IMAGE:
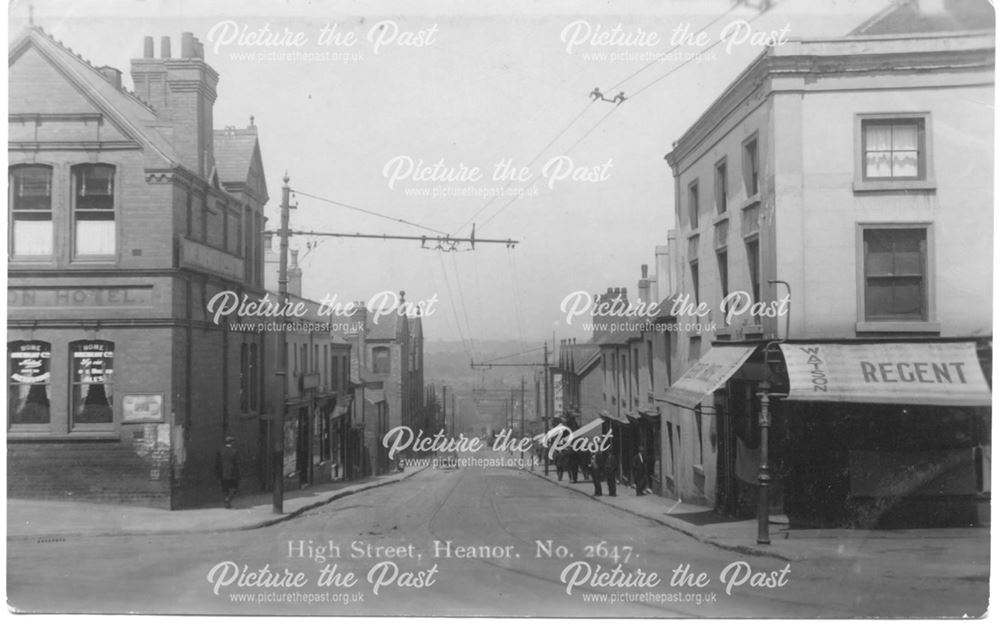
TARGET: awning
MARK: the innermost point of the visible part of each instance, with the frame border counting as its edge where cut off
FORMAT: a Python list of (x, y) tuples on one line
[(939, 374), (590, 430), (555, 432), (706, 375)]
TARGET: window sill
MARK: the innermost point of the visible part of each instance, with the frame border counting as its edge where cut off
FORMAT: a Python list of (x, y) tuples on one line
[(694, 233), (698, 470), (21, 436), (869, 186), (721, 217), (915, 327), (750, 201)]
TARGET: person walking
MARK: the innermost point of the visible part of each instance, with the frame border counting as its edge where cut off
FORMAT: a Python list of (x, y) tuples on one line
[(596, 471), (227, 470), (639, 473), (560, 463), (611, 472)]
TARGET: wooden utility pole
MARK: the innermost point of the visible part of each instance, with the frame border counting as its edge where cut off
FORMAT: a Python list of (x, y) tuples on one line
[(277, 428)]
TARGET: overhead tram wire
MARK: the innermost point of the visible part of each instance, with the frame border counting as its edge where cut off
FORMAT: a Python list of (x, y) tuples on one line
[(368, 212), (461, 301), (660, 57), (632, 96), (454, 311), (566, 152), (684, 63), (530, 163)]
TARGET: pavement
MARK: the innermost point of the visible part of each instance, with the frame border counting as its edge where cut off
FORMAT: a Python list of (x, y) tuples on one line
[(792, 544), (30, 518)]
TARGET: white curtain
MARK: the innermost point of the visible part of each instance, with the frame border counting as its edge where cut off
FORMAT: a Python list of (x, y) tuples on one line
[(95, 237), (32, 237)]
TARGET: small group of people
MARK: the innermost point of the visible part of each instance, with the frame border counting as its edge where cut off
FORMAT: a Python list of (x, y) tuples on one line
[(227, 470), (604, 465)]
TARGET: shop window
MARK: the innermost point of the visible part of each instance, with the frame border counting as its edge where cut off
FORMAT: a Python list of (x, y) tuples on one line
[(91, 371), (380, 360), (28, 378), (30, 189), (244, 377), (94, 210), (895, 278)]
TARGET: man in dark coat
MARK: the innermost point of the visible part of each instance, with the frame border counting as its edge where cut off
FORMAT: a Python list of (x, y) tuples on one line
[(611, 472), (227, 470), (596, 471), (639, 473)]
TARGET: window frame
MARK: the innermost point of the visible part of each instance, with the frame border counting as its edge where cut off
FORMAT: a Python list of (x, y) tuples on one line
[(45, 354), (928, 324), (751, 167), (925, 147), (11, 247), (693, 204), (74, 209), (381, 349), (72, 384), (721, 185)]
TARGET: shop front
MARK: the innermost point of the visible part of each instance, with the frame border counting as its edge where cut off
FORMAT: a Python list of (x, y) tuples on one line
[(888, 434)]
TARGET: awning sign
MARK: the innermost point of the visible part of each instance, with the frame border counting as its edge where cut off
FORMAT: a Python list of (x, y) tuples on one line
[(940, 374), (708, 374)]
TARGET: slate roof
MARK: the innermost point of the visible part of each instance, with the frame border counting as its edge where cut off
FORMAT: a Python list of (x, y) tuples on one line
[(127, 109), (234, 152), (908, 18)]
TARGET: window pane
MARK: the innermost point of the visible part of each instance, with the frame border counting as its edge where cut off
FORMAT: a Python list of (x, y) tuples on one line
[(878, 164), (904, 137), (94, 186), (907, 298), (878, 137), (32, 237), (95, 237), (905, 165), (32, 188)]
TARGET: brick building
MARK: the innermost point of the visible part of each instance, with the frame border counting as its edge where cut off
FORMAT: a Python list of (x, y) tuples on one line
[(127, 214)]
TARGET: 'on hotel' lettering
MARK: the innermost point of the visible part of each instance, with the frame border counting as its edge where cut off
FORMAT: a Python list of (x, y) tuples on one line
[(74, 297), (914, 372)]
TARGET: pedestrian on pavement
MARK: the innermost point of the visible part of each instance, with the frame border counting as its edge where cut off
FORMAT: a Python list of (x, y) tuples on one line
[(572, 465), (560, 463), (596, 469), (227, 470), (611, 472), (639, 473)]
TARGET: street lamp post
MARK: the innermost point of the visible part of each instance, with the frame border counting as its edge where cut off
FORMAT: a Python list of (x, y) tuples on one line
[(764, 474)]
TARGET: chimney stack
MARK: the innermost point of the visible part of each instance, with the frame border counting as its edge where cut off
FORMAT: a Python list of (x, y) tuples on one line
[(182, 91)]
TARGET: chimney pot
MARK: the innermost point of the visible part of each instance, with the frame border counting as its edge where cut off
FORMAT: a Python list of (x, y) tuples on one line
[(199, 49), (164, 48), (187, 45), (147, 47), (645, 271)]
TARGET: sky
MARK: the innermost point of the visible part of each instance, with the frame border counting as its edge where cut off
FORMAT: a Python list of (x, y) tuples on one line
[(412, 110)]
